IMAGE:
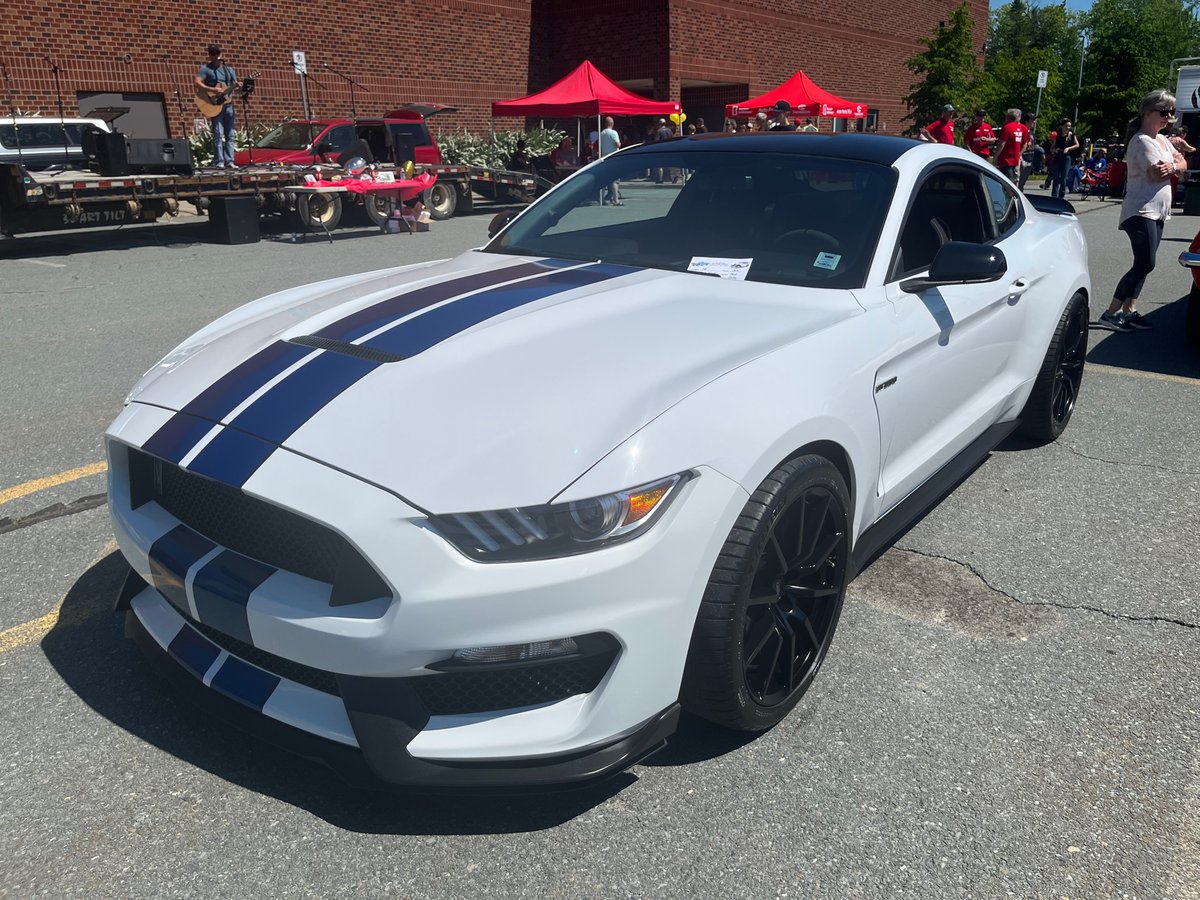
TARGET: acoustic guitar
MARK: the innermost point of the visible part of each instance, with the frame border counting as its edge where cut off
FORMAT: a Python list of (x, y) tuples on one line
[(212, 100)]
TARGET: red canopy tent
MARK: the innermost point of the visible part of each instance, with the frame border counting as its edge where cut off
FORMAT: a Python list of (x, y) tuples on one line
[(806, 99), (585, 92)]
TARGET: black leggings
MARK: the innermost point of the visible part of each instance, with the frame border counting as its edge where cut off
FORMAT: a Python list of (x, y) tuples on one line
[(1144, 237)]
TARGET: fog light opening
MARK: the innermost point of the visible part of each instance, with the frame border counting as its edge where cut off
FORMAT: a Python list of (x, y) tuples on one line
[(517, 652)]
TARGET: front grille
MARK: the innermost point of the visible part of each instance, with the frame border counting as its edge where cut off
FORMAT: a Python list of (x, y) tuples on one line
[(461, 692), (317, 679), (255, 528)]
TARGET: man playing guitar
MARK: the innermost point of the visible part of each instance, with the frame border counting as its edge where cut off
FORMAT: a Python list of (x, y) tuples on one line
[(215, 83)]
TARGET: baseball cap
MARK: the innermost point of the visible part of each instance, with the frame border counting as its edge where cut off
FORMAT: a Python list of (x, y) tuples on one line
[(782, 106), (980, 112), (949, 107)]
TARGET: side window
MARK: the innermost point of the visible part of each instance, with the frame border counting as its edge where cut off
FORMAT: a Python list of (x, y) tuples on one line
[(1005, 206), (947, 206), (341, 137)]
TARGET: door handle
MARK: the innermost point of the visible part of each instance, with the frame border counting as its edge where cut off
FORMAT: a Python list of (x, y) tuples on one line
[(1018, 287)]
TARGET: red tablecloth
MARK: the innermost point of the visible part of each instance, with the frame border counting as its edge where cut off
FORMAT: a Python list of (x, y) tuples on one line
[(403, 189)]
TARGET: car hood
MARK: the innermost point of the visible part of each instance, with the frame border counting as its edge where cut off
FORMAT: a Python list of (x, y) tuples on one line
[(483, 382)]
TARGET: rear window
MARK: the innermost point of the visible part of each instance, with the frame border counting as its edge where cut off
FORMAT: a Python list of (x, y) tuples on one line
[(42, 135), (416, 130)]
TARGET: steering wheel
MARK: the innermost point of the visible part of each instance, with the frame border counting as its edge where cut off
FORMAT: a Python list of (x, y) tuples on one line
[(804, 237)]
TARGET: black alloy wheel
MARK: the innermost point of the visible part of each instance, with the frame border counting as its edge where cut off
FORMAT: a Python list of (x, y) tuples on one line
[(773, 600), (1056, 389)]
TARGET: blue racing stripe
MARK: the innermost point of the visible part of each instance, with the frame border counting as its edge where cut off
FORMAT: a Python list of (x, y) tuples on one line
[(422, 332), (176, 437), (222, 589), (232, 388), (170, 558), (245, 683), (182, 431), (194, 651), (231, 457), (277, 414), (379, 314)]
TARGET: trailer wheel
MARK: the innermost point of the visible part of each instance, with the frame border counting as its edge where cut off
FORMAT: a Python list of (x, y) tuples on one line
[(377, 209), (319, 210), (442, 200)]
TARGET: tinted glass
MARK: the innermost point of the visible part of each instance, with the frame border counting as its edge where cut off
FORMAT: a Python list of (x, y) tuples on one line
[(1006, 208), (416, 130), (291, 136), (794, 219), (39, 136)]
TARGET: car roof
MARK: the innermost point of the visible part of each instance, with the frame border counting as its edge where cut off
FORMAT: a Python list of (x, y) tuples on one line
[(876, 148)]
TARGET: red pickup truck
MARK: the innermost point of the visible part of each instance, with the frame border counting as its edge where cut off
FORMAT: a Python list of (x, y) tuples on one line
[(396, 137)]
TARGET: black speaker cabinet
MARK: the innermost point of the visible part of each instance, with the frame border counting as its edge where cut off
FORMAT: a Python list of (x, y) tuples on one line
[(234, 220), (159, 156), (106, 153)]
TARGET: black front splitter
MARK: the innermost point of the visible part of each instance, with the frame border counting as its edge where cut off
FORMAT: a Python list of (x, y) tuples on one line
[(386, 764)]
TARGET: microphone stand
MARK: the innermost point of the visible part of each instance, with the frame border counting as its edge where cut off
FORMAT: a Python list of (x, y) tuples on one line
[(62, 119), (12, 111), (246, 92), (353, 85), (304, 77)]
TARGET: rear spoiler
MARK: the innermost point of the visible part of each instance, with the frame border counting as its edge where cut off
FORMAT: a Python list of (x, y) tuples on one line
[(1055, 206)]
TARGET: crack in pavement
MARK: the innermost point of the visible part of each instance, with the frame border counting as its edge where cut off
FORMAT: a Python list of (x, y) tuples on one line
[(1070, 448), (54, 511), (1051, 603)]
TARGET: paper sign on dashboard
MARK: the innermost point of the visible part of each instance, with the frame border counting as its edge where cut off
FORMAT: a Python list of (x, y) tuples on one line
[(722, 267)]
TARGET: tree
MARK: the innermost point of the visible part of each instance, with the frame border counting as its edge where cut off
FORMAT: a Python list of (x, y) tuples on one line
[(1129, 54), (1024, 39), (948, 69)]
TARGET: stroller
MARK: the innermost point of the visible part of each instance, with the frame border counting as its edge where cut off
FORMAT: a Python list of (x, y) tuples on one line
[(1093, 184)]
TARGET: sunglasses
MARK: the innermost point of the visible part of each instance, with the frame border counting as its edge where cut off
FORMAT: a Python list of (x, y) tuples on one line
[(1166, 113)]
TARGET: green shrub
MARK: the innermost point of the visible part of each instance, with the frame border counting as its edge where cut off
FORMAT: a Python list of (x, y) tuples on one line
[(202, 141), (463, 149)]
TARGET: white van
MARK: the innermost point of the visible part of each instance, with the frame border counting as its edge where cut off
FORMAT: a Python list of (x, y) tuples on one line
[(40, 142)]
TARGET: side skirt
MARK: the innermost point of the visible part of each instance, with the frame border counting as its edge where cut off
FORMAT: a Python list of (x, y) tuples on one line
[(876, 539)]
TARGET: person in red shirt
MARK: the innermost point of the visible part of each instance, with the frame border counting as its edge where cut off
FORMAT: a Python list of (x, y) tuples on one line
[(979, 135), (940, 131), (1014, 137)]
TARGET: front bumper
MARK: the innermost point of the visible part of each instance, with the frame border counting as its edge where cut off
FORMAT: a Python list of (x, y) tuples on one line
[(270, 643)]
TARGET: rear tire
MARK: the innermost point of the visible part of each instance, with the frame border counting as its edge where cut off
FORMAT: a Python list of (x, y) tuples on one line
[(441, 200), (1050, 404), (377, 209), (773, 599), (319, 211)]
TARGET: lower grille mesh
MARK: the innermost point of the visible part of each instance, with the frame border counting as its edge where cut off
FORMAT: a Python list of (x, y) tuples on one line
[(455, 693)]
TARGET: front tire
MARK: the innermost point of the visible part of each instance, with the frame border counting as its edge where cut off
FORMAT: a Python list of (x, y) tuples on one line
[(1050, 404), (773, 599)]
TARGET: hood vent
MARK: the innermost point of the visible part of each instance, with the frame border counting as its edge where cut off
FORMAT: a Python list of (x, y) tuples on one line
[(347, 349)]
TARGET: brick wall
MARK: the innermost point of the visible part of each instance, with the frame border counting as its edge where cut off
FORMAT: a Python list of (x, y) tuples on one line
[(465, 53), (462, 52)]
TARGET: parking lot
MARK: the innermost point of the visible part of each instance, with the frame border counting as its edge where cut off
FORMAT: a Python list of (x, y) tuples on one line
[(1011, 706)]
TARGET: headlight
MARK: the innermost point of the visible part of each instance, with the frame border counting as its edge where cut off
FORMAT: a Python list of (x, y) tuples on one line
[(558, 529)]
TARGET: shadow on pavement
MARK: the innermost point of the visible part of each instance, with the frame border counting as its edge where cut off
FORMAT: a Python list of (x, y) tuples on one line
[(110, 674), (1165, 350)]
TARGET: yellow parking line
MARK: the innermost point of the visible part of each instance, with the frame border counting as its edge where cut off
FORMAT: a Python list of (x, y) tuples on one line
[(40, 484), (28, 632), (1135, 373)]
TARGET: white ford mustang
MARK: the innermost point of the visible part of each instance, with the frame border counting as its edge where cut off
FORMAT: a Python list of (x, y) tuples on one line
[(495, 520)]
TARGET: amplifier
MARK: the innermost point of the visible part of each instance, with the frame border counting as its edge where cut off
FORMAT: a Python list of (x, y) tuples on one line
[(106, 153), (234, 220), (159, 156)]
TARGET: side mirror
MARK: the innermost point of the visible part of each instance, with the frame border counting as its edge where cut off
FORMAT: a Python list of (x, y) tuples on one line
[(959, 262), (500, 221)]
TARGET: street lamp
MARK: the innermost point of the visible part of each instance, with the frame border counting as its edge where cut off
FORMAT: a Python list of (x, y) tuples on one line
[(1079, 87)]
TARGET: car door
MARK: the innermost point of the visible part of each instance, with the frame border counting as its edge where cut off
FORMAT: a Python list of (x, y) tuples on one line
[(948, 373)]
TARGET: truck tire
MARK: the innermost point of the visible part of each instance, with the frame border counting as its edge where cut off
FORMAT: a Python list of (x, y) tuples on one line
[(376, 209), (466, 199), (319, 211), (441, 200)]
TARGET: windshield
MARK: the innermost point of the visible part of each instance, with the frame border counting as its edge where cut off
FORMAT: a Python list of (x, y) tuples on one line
[(291, 136), (784, 218)]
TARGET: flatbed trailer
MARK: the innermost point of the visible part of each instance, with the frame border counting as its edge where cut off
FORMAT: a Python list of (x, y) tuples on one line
[(52, 201)]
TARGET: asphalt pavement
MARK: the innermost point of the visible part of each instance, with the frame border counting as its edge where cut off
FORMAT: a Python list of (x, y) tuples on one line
[(1009, 708)]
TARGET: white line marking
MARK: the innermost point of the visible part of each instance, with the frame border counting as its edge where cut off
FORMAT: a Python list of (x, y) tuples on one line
[(42, 262)]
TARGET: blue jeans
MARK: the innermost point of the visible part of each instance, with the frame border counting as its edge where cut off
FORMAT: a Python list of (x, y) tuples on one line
[(1058, 174), (222, 130)]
